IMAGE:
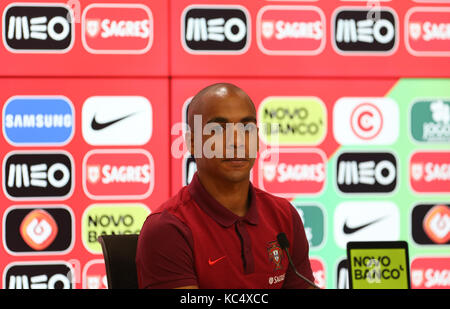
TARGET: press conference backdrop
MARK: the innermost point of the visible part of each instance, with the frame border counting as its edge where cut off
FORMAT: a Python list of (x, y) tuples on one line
[(93, 95)]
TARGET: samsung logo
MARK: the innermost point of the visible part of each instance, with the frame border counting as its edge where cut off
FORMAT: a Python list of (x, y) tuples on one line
[(38, 120)]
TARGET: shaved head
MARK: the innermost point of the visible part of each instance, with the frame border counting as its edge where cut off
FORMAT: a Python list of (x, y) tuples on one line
[(210, 94), (222, 133)]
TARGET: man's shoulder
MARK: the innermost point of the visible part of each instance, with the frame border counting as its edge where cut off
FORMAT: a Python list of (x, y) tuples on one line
[(165, 220), (175, 203), (266, 197), (167, 214), (273, 205)]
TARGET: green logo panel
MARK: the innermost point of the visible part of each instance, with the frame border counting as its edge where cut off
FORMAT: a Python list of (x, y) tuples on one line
[(313, 218), (292, 121), (107, 219), (430, 120)]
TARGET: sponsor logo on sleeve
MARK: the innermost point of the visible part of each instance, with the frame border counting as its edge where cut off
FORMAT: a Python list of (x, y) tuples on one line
[(38, 231), (297, 171), (427, 31), (38, 120), (430, 172), (118, 174), (362, 31), (362, 121), (215, 29), (290, 30), (38, 175), (430, 120), (109, 28), (38, 28)]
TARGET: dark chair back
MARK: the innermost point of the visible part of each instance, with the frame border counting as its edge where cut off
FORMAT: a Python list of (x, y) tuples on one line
[(119, 252)]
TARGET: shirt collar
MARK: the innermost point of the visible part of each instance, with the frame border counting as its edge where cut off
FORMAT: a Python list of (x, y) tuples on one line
[(217, 211)]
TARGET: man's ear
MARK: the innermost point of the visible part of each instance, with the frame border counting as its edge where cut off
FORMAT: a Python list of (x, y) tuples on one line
[(257, 139), (189, 140)]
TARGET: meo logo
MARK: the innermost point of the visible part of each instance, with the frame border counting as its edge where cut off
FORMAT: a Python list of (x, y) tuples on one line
[(38, 28), (215, 29)]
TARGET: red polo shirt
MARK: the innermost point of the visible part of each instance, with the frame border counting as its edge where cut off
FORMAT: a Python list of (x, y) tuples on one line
[(193, 240)]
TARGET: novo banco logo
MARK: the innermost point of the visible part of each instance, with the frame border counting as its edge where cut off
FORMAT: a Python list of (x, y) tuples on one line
[(293, 121)]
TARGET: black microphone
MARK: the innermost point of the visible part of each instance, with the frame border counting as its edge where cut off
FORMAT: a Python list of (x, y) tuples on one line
[(284, 244)]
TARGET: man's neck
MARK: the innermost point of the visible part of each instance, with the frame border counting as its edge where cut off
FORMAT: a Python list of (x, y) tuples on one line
[(233, 196)]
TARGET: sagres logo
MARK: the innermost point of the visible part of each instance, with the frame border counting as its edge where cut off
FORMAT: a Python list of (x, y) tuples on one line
[(362, 30), (314, 221), (118, 174), (293, 121), (358, 121), (215, 29), (366, 172), (106, 219), (38, 230), (430, 224), (38, 275), (290, 30), (38, 175), (430, 273), (366, 221), (94, 275), (430, 120), (430, 172), (289, 172), (427, 31), (117, 120), (38, 28), (318, 268), (38, 120), (117, 28)]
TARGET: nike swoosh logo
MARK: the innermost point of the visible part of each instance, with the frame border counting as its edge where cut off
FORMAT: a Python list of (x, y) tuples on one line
[(97, 126), (211, 263), (351, 230)]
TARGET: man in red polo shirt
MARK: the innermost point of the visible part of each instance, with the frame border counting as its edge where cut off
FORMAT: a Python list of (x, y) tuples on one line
[(220, 231)]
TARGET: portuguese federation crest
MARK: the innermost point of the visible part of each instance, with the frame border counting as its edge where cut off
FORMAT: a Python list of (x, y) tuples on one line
[(275, 254)]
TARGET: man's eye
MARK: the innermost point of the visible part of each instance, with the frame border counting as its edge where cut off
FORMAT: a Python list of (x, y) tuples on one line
[(251, 127), (218, 128)]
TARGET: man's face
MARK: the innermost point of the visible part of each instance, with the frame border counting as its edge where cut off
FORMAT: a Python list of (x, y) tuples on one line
[(229, 136)]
